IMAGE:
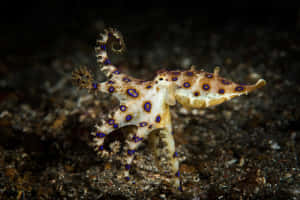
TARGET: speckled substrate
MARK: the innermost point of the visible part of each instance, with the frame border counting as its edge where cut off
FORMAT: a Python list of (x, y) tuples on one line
[(243, 149)]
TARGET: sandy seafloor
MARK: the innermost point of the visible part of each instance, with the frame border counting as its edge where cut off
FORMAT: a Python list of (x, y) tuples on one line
[(247, 148)]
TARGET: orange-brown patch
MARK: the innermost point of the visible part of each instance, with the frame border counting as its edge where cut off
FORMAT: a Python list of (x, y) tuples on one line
[(185, 101), (198, 103), (213, 102)]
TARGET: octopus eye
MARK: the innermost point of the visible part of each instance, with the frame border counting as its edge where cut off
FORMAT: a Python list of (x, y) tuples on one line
[(161, 79), (205, 87), (186, 85), (221, 91), (147, 106), (239, 88)]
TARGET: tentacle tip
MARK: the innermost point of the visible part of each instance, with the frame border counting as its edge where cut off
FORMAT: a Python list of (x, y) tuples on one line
[(260, 83), (193, 68), (216, 70), (82, 78)]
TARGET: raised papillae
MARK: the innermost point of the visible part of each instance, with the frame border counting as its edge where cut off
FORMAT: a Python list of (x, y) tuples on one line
[(145, 104)]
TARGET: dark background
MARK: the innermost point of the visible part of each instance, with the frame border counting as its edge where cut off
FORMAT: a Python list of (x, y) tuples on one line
[(25, 25), (45, 134)]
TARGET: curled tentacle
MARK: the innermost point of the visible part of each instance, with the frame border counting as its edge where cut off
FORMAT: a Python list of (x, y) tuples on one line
[(82, 78), (114, 39)]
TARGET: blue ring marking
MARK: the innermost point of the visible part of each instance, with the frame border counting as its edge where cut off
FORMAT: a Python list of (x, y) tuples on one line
[(174, 79), (225, 82), (149, 86), (180, 189), (175, 73), (189, 73), (95, 85), (127, 178), (127, 166), (100, 134), (175, 154), (137, 139), (209, 76), (221, 91), (186, 85), (134, 138), (205, 86), (111, 121), (111, 89), (142, 124), (177, 173), (158, 118), (101, 148), (125, 79), (132, 92), (147, 106), (110, 82), (172, 132), (128, 117), (239, 88), (103, 47), (107, 62), (116, 72), (196, 94), (123, 108), (116, 126), (130, 152)]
